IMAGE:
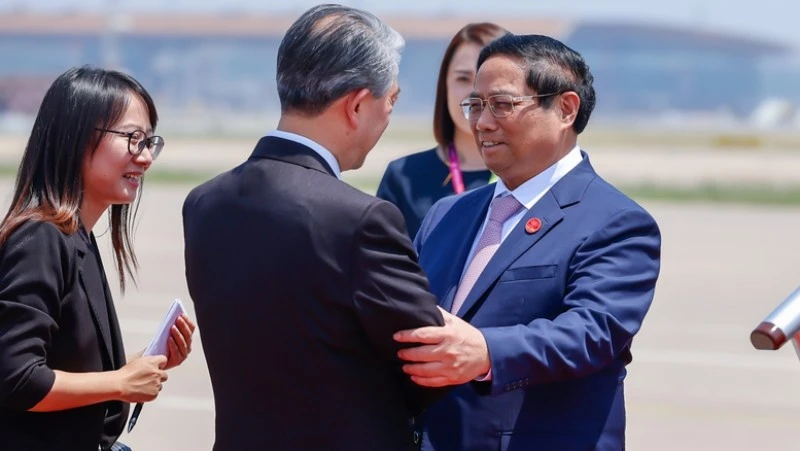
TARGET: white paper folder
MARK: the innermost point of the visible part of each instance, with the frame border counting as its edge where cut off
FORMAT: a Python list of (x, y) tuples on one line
[(159, 344)]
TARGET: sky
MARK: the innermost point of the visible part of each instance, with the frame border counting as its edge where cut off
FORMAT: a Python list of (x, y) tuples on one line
[(770, 19)]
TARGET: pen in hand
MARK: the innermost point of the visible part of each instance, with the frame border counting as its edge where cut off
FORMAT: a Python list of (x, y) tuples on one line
[(177, 341), (134, 416), (143, 379)]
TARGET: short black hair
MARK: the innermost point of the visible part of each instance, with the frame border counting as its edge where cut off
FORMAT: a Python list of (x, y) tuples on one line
[(552, 68)]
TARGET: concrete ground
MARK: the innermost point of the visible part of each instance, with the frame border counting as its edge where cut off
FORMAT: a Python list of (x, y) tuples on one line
[(695, 382)]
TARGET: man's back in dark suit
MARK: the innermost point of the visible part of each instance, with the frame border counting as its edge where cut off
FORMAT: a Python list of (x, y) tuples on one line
[(298, 279)]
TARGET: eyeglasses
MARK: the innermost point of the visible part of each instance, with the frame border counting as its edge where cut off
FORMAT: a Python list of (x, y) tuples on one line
[(138, 141), (501, 105)]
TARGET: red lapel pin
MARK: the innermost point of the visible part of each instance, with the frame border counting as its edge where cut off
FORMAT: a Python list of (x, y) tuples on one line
[(533, 225)]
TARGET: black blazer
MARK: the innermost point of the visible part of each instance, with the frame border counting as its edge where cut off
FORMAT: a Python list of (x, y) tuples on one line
[(299, 281), (56, 313)]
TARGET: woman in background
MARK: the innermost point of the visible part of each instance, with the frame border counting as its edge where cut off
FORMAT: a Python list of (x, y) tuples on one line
[(416, 181), (64, 380)]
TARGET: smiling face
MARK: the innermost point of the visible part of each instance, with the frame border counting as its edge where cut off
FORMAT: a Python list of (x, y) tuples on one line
[(112, 175), (525, 143)]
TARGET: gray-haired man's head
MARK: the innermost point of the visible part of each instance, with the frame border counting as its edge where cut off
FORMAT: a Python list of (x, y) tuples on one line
[(332, 50)]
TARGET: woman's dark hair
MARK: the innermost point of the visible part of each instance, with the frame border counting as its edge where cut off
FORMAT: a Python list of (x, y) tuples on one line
[(49, 186), (475, 33)]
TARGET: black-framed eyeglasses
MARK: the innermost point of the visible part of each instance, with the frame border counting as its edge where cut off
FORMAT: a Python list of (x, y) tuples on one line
[(138, 141), (501, 105)]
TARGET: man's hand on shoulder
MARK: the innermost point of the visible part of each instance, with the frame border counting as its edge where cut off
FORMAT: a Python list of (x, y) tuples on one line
[(453, 354)]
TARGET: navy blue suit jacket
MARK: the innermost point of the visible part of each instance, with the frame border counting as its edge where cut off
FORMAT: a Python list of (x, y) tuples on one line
[(558, 308)]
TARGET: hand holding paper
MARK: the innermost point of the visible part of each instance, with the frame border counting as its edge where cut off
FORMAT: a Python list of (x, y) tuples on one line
[(173, 340), (177, 326)]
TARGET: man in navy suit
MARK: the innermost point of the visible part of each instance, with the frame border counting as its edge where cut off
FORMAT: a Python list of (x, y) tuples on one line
[(548, 273)]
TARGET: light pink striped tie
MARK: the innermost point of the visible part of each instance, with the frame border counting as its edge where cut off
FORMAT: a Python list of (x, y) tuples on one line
[(501, 209)]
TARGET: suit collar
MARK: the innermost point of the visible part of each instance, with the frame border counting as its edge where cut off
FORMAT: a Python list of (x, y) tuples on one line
[(570, 189), (532, 190), (326, 154), (292, 152)]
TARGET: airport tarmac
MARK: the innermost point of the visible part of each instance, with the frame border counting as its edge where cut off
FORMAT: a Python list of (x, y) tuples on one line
[(695, 382)]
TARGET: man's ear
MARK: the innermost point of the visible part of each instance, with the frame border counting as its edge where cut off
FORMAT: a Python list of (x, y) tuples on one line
[(354, 106), (569, 103)]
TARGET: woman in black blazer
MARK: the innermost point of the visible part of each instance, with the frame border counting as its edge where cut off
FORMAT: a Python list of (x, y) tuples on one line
[(64, 380)]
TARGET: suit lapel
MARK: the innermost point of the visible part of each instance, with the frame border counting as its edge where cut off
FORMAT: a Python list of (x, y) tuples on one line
[(549, 209), (116, 342), (93, 289), (459, 223), (517, 243)]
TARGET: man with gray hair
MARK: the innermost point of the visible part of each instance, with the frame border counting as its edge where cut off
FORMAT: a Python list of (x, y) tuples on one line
[(300, 280)]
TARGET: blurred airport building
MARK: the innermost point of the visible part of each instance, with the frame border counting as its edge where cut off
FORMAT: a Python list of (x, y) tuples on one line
[(224, 64)]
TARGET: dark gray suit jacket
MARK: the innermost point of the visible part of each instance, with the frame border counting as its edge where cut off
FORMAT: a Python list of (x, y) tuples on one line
[(299, 281)]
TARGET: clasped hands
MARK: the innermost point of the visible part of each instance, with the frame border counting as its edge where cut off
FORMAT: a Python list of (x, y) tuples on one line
[(453, 354)]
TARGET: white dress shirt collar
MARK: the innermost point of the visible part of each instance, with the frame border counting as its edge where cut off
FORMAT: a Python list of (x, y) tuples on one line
[(532, 190), (313, 145)]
